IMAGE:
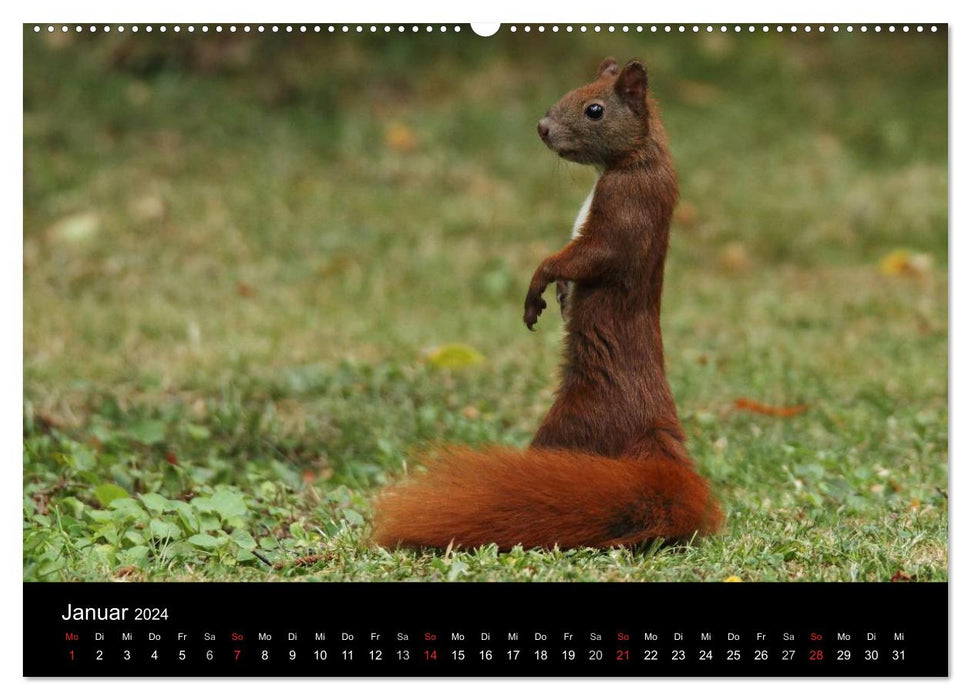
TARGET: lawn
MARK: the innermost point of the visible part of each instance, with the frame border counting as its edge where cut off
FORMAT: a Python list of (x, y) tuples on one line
[(262, 274)]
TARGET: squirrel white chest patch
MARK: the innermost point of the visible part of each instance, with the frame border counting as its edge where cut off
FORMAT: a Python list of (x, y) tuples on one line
[(584, 211)]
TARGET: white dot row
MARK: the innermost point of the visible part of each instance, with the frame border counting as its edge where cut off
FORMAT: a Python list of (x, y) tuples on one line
[(344, 28), (751, 28), (247, 28)]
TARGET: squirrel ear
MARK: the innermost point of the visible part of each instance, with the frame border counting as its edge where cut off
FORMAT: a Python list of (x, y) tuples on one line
[(631, 85), (608, 66)]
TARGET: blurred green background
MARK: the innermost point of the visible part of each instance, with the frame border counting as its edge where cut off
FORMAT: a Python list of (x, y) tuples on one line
[(251, 262)]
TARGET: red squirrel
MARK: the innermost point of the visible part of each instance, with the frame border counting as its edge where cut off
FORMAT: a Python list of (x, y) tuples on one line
[(608, 465)]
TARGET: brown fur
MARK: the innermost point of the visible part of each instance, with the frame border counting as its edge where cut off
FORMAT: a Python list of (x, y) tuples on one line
[(608, 464), (541, 498)]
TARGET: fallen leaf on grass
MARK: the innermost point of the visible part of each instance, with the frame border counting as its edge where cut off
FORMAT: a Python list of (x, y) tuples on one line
[(907, 263), (401, 138), (901, 576), (765, 409), (318, 469), (126, 571), (301, 561), (686, 214), (733, 579), (734, 258), (454, 355)]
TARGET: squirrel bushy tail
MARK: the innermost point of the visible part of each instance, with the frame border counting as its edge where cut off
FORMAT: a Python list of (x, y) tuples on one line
[(542, 498)]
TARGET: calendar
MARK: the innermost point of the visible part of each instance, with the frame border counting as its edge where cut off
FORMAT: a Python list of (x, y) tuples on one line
[(636, 630), (387, 349)]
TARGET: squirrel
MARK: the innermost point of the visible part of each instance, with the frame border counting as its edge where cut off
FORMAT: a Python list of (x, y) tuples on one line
[(608, 465)]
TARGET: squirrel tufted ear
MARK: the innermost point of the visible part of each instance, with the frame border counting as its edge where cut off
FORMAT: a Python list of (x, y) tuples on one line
[(631, 86), (608, 66)]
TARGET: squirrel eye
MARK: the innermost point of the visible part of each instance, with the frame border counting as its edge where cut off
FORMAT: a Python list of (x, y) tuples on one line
[(594, 111)]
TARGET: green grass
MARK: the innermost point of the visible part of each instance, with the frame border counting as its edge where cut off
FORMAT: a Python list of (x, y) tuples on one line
[(239, 253)]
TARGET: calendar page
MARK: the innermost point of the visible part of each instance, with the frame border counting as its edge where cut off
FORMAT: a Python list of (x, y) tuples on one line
[(379, 349)]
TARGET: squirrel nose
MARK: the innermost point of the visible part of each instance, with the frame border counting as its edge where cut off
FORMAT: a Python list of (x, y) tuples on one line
[(543, 128)]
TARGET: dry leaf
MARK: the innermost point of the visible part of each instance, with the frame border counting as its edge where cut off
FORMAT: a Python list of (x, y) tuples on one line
[(454, 355), (302, 561), (319, 469), (734, 258), (686, 213), (733, 579), (902, 262), (401, 138), (765, 409)]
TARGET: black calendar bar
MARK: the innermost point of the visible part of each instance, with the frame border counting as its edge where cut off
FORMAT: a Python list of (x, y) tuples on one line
[(494, 629)]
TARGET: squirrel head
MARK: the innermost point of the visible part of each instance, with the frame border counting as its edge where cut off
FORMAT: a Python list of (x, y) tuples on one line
[(603, 122)]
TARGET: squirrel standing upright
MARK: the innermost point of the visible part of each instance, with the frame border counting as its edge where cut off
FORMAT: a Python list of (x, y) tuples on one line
[(608, 465)]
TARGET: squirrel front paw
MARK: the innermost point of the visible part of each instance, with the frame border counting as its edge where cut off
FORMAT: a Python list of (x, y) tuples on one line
[(534, 307)]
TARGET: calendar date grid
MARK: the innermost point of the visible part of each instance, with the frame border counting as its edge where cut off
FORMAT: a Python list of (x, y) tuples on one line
[(488, 629), (620, 648)]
